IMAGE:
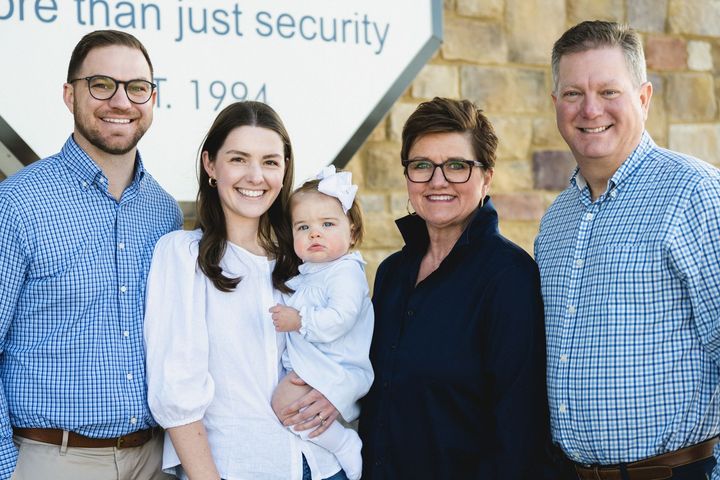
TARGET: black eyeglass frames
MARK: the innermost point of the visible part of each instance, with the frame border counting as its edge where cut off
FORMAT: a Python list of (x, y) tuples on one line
[(102, 87), (454, 170)]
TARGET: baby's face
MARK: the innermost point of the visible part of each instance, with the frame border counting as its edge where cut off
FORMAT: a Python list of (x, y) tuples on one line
[(321, 231)]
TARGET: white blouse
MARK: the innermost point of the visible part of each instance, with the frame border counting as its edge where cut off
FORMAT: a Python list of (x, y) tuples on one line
[(216, 356), (331, 350)]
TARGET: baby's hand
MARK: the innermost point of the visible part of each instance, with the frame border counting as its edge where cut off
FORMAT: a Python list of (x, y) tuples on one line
[(285, 319)]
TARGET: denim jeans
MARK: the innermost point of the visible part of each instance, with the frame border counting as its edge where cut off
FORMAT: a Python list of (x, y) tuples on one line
[(307, 475)]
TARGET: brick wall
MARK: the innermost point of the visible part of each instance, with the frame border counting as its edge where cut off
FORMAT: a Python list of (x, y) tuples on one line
[(497, 53)]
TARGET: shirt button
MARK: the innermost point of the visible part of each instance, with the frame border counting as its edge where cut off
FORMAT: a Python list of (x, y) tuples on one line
[(572, 309), (410, 313), (85, 184), (393, 347), (121, 245), (613, 194), (579, 263), (133, 420), (126, 333), (385, 384), (563, 358), (123, 289), (563, 408), (129, 376), (589, 216)]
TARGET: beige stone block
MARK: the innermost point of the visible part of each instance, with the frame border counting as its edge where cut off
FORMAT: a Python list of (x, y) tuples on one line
[(699, 140), (381, 232), (399, 204), (699, 55), (383, 170), (481, 8), (437, 81), (690, 97), (474, 41), (647, 15), (530, 41), (695, 17), (656, 123), (581, 10), (372, 203), (511, 176), (506, 89), (546, 134), (514, 135), (397, 118), (521, 233)]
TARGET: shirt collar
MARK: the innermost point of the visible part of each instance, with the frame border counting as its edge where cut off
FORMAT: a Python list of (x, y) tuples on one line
[(80, 163), (414, 229), (628, 167), (311, 267)]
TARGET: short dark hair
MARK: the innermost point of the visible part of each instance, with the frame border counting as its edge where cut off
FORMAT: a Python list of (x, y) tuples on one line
[(445, 115), (594, 34), (354, 214), (103, 38), (274, 233)]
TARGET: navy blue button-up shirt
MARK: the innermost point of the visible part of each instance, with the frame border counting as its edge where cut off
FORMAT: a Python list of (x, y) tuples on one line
[(459, 361)]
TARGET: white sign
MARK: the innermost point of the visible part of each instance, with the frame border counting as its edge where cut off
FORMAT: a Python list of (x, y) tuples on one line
[(330, 68)]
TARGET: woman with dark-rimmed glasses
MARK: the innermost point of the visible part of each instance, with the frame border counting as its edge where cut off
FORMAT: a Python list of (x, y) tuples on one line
[(458, 349)]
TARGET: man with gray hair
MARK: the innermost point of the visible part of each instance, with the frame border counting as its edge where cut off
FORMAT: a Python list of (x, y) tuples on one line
[(629, 260)]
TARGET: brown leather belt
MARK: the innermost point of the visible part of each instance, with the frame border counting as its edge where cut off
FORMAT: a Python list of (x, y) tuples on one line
[(658, 467), (55, 437)]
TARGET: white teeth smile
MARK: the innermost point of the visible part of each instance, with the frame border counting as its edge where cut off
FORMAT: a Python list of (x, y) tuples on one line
[(251, 193), (116, 120), (595, 130), (440, 197)]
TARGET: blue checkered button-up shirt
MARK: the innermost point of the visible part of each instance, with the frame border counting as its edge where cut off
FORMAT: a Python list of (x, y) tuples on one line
[(73, 264), (631, 285)]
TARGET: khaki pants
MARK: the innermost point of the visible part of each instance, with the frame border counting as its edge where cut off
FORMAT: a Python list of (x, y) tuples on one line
[(38, 460)]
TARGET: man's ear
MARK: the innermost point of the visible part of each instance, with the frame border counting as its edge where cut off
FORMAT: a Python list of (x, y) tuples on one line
[(69, 96)]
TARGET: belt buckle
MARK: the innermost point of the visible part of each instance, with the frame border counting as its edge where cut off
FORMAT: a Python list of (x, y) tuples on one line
[(119, 443)]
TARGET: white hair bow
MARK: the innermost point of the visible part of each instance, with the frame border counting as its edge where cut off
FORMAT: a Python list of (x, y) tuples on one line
[(338, 185)]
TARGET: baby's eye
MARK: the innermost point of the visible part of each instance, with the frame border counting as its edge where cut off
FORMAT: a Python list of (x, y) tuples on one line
[(302, 227), (328, 224)]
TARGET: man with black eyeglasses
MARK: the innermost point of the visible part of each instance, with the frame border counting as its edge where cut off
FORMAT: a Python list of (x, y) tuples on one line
[(77, 232)]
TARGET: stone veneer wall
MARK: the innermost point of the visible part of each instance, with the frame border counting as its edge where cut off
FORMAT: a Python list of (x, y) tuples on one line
[(497, 53)]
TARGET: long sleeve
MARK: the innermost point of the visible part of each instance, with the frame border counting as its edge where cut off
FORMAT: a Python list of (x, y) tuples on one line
[(331, 350), (180, 387), (695, 254), (13, 269), (346, 292), (516, 364)]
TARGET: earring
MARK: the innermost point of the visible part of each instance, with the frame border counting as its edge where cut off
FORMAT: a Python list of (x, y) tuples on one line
[(407, 207), (212, 182)]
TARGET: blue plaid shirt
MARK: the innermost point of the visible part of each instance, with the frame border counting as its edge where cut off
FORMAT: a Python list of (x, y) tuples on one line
[(73, 264), (631, 285)]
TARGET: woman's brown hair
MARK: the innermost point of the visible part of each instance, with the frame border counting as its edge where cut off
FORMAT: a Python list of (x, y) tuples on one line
[(274, 233)]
